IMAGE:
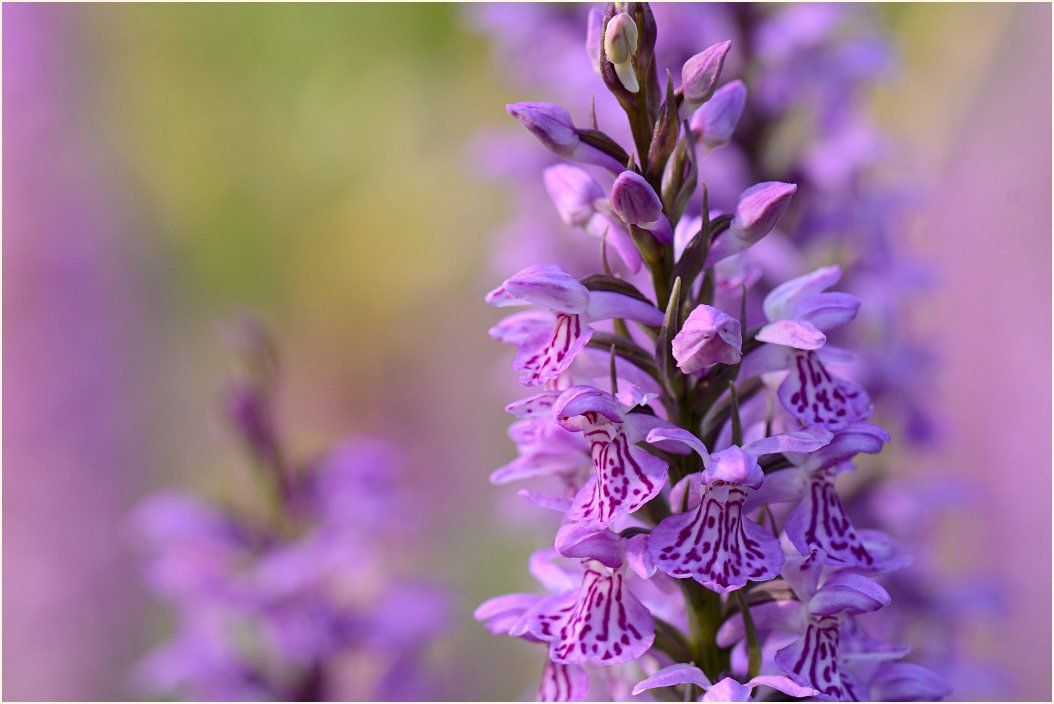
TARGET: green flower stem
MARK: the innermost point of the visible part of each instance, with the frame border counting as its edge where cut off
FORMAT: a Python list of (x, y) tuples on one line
[(753, 643)]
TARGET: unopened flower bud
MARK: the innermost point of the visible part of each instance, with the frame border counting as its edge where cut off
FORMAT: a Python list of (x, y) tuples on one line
[(759, 208), (574, 193), (551, 124), (634, 200), (620, 43), (699, 75), (709, 336), (636, 203), (714, 123)]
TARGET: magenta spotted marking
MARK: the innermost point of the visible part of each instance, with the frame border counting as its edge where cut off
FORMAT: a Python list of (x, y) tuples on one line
[(624, 478), (715, 544), (813, 659), (811, 394), (607, 624), (820, 521), (551, 360), (563, 683)]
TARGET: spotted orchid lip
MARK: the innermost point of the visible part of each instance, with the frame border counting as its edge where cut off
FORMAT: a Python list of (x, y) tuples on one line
[(600, 622)]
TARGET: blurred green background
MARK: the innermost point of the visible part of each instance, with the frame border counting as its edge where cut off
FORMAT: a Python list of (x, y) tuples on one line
[(306, 163)]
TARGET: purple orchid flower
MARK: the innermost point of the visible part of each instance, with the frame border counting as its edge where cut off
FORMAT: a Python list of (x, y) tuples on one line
[(799, 313), (819, 520), (544, 354), (625, 477), (600, 622), (715, 544), (824, 600)]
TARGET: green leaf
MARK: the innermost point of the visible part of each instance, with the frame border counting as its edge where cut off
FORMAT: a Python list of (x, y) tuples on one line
[(602, 282), (596, 138), (627, 350), (671, 325)]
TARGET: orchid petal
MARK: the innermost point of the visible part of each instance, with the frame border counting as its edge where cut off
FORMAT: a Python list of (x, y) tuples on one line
[(540, 404), (682, 436), (908, 682), (573, 192), (799, 334), (502, 612), (606, 624), (806, 440), (572, 405), (728, 690), (546, 285), (708, 336), (535, 465), (544, 357), (637, 556), (779, 303), (848, 592), (577, 540), (827, 310), (543, 620), (783, 684), (518, 327), (556, 503), (714, 544), (781, 486), (812, 395), (811, 661), (735, 466), (820, 521), (680, 673), (563, 683), (605, 305), (555, 578), (848, 442), (802, 572)]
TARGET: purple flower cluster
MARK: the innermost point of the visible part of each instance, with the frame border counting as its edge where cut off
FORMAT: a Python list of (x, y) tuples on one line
[(688, 414), (298, 600)]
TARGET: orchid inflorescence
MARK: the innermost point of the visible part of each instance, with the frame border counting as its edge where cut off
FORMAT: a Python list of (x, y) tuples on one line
[(689, 414), (294, 596)]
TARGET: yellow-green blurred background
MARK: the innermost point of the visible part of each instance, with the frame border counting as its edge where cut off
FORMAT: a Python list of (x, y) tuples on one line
[(167, 164)]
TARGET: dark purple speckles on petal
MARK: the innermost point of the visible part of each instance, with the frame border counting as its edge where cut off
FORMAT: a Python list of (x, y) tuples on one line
[(607, 625), (812, 395), (820, 521), (714, 544)]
